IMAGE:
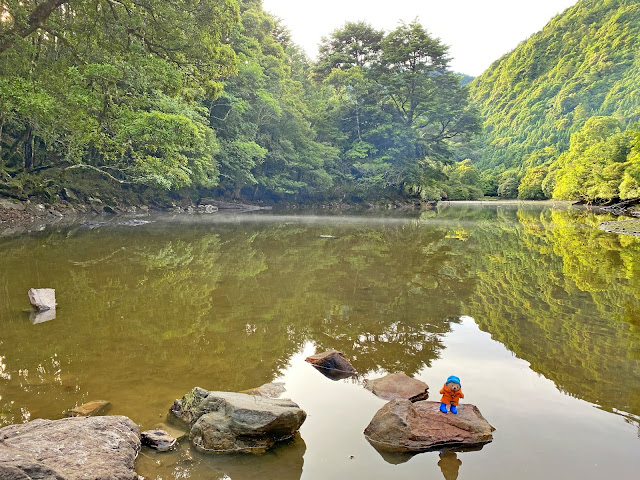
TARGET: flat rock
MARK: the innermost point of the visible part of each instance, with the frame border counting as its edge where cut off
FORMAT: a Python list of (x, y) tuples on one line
[(158, 439), (94, 407), (42, 299), (332, 360), (99, 448), (269, 390), (403, 426), (228, 422), (398, 385)]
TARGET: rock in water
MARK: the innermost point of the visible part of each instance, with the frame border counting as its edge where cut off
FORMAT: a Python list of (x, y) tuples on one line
[(402, 426), (227, 422), (332, 360), (94, 407), (158, 439), (270, 390), (100, 448), (42, 299), (398, 385)]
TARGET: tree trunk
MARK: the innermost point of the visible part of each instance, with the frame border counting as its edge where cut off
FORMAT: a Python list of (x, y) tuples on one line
[(29, 151), (36, 20)]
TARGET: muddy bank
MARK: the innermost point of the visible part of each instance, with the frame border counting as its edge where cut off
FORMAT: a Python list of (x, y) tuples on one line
[(17, 217)]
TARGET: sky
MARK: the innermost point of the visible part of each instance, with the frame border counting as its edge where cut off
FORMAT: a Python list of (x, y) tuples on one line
[(478, 32)]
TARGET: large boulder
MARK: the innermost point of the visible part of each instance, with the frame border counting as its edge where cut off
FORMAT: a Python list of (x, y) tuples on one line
[(333, 364), (398, 385), (100, 448), (228, 422), (403, 426)]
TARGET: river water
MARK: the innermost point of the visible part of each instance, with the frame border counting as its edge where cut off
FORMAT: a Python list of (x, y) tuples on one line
[(535, 309)]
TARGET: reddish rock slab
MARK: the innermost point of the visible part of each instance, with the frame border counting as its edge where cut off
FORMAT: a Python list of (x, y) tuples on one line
[(332, 361), (402, 426), (398, 385)]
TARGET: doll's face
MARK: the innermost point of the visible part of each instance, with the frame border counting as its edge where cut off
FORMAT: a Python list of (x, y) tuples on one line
[(454, 387)]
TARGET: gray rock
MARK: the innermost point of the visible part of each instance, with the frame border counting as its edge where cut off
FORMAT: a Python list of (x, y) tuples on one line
[(398, 385), (11, 205), (42, 299), (100, 448), (227, 422), (68, 195), (270, 390), (37, 209), (158, 439), (402, 426)]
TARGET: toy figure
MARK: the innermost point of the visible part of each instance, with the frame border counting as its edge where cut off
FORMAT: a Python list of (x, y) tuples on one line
[(451, 393)]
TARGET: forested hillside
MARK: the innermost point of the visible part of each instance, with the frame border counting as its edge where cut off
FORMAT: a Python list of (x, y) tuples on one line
[(160, 100), (536, 103)]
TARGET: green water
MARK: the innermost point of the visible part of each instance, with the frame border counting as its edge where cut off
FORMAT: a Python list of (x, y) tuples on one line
[(536, 310)]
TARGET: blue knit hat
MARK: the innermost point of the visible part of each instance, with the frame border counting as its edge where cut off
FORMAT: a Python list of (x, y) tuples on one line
[(453, 379)]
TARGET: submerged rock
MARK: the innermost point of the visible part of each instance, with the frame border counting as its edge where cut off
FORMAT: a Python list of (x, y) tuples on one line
[(227, 422), (158, 439), (42, 299), (100, 448), (270, 390), (398, 385), (88, 409), (402, 426), (334, 362), (175, 432)]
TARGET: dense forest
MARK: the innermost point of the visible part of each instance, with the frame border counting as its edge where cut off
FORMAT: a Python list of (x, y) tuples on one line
[(153, 101), (561, 110), (212, 98)]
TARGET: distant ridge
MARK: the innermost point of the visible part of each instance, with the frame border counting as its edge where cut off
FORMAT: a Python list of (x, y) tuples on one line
[(585, 62)]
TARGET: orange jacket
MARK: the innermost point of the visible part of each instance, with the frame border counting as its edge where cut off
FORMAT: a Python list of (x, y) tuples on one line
[(449, 397)]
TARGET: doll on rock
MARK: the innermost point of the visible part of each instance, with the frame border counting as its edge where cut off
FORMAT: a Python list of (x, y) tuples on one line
[(451, 394)]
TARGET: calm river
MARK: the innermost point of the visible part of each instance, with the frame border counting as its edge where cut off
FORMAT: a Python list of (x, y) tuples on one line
[(536, 310)]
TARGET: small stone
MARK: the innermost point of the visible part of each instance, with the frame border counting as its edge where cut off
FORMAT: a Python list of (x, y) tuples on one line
[(398, 385), (269, 390), (175, 432), (158, 440), (109, 209), (92, 408), (42, 299), (332, 361)]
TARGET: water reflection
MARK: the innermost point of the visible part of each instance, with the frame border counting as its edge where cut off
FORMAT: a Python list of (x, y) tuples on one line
[(449, 464), (284, 462), (147, 313)]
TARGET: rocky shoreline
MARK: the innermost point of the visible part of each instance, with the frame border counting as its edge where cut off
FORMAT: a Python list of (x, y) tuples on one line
[(222, 423)]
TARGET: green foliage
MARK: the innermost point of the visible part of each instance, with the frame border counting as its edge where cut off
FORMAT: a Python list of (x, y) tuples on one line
[(584, 63), (395, 109), (213, 98)]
